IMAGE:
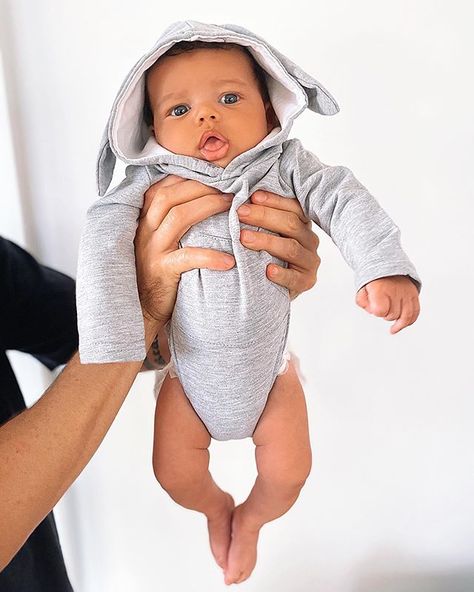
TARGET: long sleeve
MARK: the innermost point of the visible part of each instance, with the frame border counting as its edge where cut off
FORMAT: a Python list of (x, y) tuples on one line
[(334, 199), (110, 321)]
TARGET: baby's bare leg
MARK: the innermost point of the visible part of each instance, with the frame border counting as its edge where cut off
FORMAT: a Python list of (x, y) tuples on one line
[(283, 456), (181, 465)]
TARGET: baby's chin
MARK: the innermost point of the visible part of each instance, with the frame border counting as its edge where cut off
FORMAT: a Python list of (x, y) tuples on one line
[(220, 162)]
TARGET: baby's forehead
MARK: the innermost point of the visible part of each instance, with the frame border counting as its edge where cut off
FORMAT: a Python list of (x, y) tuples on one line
[(240, 63)]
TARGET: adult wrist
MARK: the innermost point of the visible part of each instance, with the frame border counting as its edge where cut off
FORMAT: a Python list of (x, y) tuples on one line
[(152, 326)]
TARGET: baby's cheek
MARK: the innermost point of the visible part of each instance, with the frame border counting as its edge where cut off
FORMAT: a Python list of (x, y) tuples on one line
[(167, 137)]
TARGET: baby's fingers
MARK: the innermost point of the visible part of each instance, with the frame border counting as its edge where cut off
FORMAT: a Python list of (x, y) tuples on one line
[(362, 298), (379, 304), (375, 301), (409, 314), (399, 324)]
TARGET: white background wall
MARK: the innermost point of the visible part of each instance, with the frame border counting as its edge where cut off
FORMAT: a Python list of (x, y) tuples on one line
[(388, 506)]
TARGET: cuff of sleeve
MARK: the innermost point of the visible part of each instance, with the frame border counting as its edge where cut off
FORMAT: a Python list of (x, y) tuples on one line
[(370, 274)]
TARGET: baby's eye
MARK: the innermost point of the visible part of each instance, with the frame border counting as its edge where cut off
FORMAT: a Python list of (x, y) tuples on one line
[(231, 101), (178, 108)]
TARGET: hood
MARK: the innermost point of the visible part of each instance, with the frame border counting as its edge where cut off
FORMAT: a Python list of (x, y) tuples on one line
[(127, 137)]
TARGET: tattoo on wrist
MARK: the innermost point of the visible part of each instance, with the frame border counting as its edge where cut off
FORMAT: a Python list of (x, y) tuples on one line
[(154, 360)]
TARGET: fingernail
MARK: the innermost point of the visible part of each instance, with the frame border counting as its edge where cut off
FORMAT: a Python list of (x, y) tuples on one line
[(273, 270), (259, 197), (228, 196), (228, 260), (248, 237), (244, 210)]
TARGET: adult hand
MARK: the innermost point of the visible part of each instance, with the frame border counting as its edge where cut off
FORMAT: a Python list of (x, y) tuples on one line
[(167, 214), (171, 207), (297, 244)]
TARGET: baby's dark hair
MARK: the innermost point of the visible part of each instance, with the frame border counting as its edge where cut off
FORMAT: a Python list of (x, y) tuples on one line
[(184, 46)]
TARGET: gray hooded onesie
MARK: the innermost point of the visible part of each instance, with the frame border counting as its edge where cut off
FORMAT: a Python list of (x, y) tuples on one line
[(229, 328)]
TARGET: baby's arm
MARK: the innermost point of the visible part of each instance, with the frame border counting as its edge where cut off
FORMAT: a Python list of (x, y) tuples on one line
[(108, 306), (394, 298), (332, 197)]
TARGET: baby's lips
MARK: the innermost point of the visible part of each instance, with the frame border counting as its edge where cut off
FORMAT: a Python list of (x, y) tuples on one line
[(211, 134), (213, 143), (216, 154)]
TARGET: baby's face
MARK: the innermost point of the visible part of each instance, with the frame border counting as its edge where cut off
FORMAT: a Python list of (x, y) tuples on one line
[(208, 90)]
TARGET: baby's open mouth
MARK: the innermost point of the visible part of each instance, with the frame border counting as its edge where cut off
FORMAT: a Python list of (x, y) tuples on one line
[(213, 146), (213, 143)]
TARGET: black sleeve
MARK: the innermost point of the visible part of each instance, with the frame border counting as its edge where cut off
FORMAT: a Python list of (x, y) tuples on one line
[(37, 308)]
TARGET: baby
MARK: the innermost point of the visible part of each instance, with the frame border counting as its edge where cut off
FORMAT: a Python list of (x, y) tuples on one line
[(208, 115), (216, 119)]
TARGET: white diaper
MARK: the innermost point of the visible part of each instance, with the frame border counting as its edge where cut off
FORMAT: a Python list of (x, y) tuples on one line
[(160, 375)]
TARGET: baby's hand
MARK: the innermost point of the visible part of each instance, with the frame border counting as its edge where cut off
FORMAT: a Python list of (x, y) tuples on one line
[(393, 298)]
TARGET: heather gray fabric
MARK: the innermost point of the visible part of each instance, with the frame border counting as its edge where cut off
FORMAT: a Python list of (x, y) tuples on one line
[(229, 328)]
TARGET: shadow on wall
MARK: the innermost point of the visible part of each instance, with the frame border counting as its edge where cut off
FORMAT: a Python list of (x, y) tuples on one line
[(386, 572), (454, 581), (18, 132)]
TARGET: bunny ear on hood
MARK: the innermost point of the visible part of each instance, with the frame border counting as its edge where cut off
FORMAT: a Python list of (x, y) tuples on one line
[(319, 99), (128, 137)]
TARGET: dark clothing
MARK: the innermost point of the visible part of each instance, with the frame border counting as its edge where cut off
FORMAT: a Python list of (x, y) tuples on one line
[(37, 316)]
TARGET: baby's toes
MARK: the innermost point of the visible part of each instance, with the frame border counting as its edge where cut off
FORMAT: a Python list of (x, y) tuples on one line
[(244, 576), (234, 577), (219, 532), (242, 552)]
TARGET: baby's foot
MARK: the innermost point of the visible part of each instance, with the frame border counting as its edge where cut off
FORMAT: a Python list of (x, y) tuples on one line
[(242, 555), (219, 526)]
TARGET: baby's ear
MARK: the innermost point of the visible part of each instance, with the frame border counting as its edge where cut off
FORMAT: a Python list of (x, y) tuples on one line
[(272, 119)]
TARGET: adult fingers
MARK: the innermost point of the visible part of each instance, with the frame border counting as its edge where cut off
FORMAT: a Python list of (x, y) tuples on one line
[(287, 249), (296, 282), (301, 275), (296, 244), (189, 258), (158, 274), (277, 202), (180, 218), (153, 189), (285, 222), (169, 192)]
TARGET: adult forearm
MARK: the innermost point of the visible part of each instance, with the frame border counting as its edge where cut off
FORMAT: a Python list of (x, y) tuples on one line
[(45, 448)]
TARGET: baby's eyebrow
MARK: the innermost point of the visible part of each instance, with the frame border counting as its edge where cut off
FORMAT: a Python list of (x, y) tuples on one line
[(231, 81), (216, 81)]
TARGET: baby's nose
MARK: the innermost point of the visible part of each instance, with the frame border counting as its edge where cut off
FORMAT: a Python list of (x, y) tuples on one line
[(207, 116), (207, 111)]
